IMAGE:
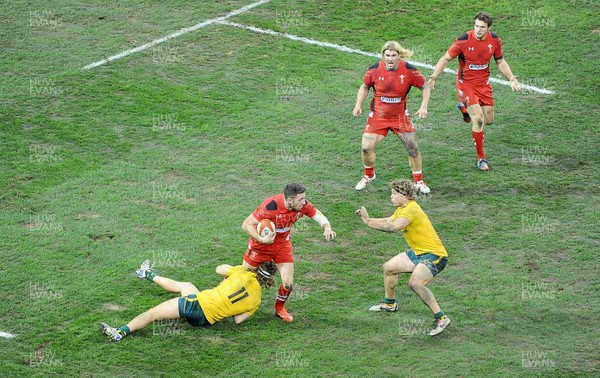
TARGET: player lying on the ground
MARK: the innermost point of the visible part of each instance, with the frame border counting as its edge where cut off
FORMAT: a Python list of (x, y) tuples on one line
[(239, 295)]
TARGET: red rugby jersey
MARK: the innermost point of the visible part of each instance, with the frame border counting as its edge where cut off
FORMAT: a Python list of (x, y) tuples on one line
[(273, 208), (391, 87), (474, 56)]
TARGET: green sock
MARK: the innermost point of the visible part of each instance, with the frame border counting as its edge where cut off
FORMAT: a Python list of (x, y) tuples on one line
[(150, 274), (124, 331), (389, 301), (438, 315)]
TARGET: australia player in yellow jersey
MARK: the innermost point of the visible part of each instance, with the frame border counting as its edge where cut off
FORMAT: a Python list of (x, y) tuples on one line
[(237, 296), (424, 260)]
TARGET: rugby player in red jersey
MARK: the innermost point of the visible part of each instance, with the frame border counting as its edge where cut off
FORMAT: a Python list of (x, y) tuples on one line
[(391, 80), (475, 50), (283, 210)]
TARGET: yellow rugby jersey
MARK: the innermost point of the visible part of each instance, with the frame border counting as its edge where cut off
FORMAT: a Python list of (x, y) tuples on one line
[(420, 234), (237, 294)]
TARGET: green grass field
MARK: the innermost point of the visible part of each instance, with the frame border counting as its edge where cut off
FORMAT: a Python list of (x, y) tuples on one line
[(163, 153)]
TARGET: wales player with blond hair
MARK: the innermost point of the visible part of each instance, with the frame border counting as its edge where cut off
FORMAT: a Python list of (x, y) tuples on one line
[(391, 79), (425, 259)]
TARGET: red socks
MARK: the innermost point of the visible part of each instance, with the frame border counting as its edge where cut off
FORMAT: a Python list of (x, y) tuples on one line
[(478, 141), (369, 171), (282, 296), (417, 176)]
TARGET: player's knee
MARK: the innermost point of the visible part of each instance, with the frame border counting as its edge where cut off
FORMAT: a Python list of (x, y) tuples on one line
[(366, 150), (414, 284), (413, 150), (388, 267), (479, 122), (289, 286)]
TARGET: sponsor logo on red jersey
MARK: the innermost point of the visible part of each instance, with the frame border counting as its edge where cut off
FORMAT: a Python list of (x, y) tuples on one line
[(391, 100), (478, 67)]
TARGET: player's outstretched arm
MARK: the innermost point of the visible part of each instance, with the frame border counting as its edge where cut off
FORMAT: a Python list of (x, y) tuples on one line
[(439, 68), (325, 225), (382, 224), (223, 269), (504, 68)]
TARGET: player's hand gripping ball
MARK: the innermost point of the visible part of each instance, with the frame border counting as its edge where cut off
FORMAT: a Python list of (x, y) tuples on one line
[(265, 227)]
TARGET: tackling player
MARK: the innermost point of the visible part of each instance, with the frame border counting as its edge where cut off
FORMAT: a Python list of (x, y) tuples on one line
[(283, 210), (391, 80), (424, 260), (475, 50), (239, 296)]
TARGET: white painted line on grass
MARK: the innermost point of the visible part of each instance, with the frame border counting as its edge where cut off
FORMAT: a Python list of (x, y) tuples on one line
[(355, 51), (222, 20), (175, 35), (7, 335)]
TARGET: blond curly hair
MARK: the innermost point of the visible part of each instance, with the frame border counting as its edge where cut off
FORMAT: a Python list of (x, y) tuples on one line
[(395, 46), (265, 273), (404, 187)]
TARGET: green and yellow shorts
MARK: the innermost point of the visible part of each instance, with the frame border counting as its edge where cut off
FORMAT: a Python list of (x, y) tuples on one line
[(190, 309), (435, 263)]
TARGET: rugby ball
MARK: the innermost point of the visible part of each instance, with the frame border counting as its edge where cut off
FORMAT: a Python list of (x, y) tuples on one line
[(265, 227)]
